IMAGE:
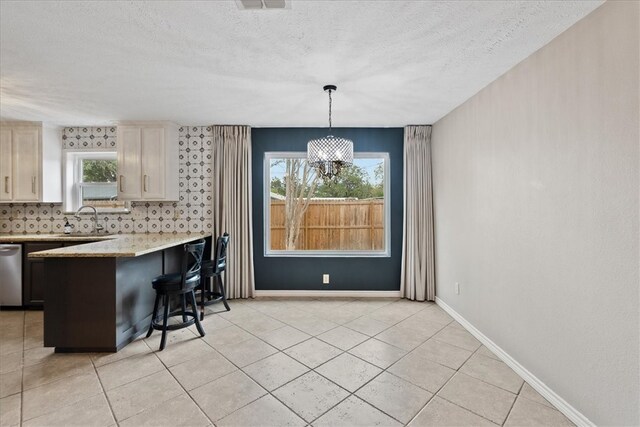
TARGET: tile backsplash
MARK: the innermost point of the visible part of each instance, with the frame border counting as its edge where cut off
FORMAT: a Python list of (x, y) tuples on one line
[(89, 138), (190, 214)]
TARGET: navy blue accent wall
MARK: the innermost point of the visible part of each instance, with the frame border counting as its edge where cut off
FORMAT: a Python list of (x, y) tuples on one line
[(298, 273)]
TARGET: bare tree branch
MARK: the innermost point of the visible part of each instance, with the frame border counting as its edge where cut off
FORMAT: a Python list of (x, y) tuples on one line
[(298, 193)]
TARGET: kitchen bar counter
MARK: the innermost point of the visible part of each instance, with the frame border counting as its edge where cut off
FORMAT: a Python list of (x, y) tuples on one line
[(98, 295), (75, 237), (103, 246)]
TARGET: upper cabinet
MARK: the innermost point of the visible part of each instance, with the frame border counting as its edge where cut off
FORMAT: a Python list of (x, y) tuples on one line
[(148, 161), (30, 163)]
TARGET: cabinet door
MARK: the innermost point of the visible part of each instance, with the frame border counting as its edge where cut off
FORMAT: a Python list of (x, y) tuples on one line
[(6, 172), (129, 163), (153, 158), (26, 158), (33, 274)]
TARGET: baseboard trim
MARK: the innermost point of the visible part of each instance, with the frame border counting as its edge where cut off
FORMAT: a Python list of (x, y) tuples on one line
[(569, 411), (352, 294)]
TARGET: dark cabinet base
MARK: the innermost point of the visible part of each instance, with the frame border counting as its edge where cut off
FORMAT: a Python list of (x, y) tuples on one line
[(101, 304), (34, 278)]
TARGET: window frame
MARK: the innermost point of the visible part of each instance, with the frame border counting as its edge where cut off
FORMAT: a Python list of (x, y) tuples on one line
[(266, 210), (73, 175)]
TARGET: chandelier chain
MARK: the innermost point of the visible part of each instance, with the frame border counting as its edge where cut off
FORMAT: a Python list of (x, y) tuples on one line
[(329, 111)]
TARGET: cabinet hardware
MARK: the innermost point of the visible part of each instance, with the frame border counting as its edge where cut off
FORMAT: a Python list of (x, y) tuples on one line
[(6, 184), (33, 184), (146, 179), (121, 183)]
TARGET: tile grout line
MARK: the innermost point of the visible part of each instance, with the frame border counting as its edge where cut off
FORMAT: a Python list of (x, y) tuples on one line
[(106, 396), (278, 350), (308, 369), (458, 372), (24, 331), (22, 390), (350, 393), (443, 386), (166, 368), (383, 370), (238, 368), (181, 386), (513, 403), (331, 381), (486, 382), (128, 382), (327, 361), (449, 380)]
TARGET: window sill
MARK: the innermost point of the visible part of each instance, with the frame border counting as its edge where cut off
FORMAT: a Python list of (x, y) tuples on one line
[(327, 254), (100, 211)]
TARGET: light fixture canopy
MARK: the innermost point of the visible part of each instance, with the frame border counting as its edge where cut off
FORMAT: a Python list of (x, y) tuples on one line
[(328, 155)]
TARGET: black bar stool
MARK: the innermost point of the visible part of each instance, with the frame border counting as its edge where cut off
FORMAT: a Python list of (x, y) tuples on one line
[(214, 269), (179, 284)]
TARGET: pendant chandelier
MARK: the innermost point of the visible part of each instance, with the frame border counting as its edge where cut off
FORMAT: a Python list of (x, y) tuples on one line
[(330, 154)]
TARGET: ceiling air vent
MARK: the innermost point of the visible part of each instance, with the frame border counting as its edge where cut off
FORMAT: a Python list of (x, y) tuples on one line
[(263, 4)]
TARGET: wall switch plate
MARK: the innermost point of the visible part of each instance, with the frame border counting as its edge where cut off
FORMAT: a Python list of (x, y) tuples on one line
[(457, 287), (325, 279)]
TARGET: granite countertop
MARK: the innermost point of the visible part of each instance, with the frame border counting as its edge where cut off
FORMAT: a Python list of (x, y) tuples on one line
[(116, 245), (74, 237)]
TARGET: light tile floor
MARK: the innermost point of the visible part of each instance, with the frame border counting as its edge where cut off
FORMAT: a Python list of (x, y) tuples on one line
[(273, 362)]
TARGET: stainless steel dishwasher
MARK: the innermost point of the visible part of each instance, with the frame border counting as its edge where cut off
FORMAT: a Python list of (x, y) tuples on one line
[(10, 275)]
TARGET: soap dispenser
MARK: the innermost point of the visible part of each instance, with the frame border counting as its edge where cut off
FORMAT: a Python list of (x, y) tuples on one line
[(67, 228)]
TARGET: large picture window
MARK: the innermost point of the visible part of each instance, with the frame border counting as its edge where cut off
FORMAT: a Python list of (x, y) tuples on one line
[(306, 216)]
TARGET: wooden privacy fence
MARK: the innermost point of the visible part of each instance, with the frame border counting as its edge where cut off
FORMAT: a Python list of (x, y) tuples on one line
[(333, 225)]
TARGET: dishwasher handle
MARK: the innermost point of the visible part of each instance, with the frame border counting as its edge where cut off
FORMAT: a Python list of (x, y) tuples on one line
[(9, 250)]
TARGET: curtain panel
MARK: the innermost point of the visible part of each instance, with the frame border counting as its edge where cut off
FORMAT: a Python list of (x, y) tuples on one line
[(231, 161), (418, 263)]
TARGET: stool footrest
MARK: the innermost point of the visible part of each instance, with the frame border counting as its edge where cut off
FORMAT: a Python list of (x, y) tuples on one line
[(175, 326), (211, 297)]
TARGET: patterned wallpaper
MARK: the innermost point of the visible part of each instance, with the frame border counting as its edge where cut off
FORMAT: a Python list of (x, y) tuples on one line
[(191, 214)]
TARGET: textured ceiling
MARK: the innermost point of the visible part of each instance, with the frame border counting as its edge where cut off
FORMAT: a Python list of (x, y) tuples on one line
[(395, 62)]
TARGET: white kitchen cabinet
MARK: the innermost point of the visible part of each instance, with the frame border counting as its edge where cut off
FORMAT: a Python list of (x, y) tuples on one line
[(153, 163), (129, 160), (148, 161), (30, 163), (6, 169)]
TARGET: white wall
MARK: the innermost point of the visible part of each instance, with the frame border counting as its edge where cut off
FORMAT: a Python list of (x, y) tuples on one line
[(536, 207)]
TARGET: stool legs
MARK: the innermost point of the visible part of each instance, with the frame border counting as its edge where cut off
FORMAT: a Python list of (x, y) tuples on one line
[(207, 290), (154, 315), (183, 299), (203, 291), (194, 304), (163, 341), (223, 291), (187, 298)]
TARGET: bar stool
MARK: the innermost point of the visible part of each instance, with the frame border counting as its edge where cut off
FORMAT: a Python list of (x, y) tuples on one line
[(179, 284), (214, 269)]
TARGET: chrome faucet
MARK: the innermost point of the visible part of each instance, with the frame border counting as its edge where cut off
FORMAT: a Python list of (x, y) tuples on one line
[(96, 226)]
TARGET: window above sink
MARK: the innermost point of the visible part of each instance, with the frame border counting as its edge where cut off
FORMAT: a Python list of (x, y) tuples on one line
[(90, 179)]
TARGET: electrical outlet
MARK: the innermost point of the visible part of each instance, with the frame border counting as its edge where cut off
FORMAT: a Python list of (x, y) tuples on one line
[(325, 279), (457, 287)]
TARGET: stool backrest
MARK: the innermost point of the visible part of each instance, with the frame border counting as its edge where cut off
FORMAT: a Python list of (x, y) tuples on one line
[(192, 261), (220, 261)]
